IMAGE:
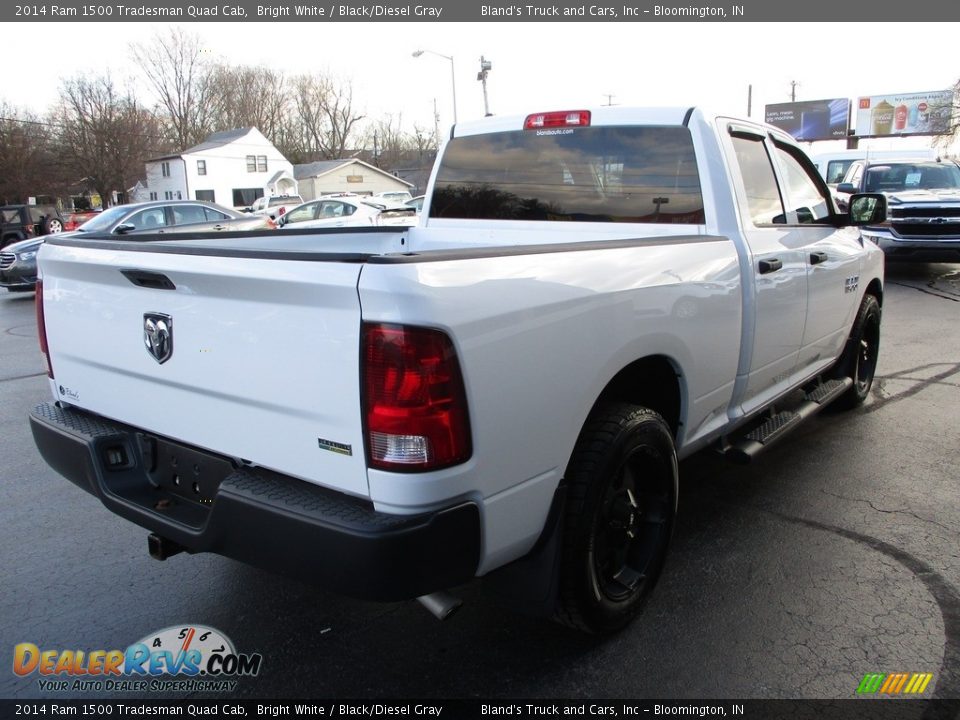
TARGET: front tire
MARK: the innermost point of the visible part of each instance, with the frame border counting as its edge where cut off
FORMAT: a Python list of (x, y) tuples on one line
[(859, 359), (622, 501)]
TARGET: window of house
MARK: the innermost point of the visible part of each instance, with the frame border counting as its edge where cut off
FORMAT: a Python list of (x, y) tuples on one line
[(261, 163), (153, 196), (207, 195), (245, 197), (168, 195), (201, 167), (251, 163), (165, 169)]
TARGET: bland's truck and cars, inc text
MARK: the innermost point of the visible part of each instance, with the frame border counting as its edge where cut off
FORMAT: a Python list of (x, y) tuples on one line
[(589, 295)]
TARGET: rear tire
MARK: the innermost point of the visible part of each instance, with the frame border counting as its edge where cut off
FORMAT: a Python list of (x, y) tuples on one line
[(859, 359), (622, 501)]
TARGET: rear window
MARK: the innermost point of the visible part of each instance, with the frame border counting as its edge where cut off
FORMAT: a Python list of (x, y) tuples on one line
[(594, 174)]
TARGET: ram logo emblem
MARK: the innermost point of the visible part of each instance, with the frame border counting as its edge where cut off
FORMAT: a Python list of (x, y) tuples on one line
[(158, 336), (851, 284)]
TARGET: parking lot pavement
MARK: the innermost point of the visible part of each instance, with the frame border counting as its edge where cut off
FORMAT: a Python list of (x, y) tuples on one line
[(835, 554)]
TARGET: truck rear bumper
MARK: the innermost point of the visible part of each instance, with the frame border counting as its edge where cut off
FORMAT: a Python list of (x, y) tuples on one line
[(257, 516)]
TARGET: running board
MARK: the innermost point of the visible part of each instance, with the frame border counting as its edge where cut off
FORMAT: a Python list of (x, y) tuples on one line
[(762, 436)]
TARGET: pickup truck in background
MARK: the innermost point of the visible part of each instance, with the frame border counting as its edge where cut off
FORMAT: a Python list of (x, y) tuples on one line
[(923, 204), (589, 296)]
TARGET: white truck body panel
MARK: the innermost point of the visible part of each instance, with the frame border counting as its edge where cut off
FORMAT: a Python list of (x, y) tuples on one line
[(542, 316)]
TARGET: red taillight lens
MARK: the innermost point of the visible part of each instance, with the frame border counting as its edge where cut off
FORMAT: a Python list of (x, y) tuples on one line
[(42, 327), (414, 402), (563, 118), (282, 210)]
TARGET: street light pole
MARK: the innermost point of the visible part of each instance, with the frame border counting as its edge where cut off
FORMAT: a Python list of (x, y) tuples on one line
[(453, 76), (485, 67)]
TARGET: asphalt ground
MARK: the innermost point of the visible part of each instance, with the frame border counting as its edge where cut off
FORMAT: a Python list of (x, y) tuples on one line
[(835, 554)]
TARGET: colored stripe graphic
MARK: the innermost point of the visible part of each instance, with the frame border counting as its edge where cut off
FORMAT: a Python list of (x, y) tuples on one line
[(894, 683)]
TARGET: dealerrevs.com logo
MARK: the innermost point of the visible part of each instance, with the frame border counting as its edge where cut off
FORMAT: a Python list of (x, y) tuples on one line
[(177, 658)]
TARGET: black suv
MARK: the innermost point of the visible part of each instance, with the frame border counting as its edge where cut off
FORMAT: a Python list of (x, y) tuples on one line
[(19, 222)]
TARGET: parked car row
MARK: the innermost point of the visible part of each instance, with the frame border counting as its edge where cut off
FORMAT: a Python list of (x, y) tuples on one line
[(18, 260)]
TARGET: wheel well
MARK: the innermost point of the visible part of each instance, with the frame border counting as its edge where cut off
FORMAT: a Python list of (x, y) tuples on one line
[(651, 382), (876, 289)]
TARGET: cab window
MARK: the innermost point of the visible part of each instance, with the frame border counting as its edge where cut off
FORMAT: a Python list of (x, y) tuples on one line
[(806, 203), (759, 181)]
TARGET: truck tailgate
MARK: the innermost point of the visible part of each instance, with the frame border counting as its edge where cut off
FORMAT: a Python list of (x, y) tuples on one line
[(263, 361)]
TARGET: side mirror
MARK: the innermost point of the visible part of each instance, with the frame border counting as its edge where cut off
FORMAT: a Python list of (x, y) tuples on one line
[(868, 209), (848, 188), (124, 228)]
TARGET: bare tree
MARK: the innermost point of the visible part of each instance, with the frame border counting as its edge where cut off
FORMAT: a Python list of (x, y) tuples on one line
[(251, 97), (175, 65), (386, 141), (30, 167), (324, 119), (106, 134), (948, 115)]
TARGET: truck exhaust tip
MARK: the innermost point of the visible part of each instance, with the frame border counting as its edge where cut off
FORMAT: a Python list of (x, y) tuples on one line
[(440, 604), (160, 548)]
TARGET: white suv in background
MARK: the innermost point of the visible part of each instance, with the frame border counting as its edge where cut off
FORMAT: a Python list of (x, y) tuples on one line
[(275, 205)]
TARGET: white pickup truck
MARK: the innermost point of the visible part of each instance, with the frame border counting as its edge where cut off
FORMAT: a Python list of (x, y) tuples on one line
[(588, 296)]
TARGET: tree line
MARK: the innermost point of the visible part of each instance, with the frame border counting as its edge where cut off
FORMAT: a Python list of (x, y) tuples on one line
[(99, 132)]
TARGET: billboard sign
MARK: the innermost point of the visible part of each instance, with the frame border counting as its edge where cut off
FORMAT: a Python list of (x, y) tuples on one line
[(921, 113), (812, 119)]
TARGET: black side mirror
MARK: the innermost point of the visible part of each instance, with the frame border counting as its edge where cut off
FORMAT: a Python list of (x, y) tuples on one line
[(848, 188), (868, 209), (124, 228)]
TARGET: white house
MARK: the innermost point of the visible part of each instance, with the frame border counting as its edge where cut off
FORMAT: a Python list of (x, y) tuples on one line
[(326, 177), (232, 168)]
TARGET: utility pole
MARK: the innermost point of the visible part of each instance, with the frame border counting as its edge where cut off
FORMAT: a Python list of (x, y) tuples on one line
[(485, 67), (793, 90), (749, 100), (436, 122)]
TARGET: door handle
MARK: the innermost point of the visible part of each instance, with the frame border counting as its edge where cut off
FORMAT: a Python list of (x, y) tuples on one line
[(769, 266), (817, 257), (219, 227)]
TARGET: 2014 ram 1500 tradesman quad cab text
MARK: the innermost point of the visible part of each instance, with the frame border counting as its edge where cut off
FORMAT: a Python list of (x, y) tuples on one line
[(588, 296)]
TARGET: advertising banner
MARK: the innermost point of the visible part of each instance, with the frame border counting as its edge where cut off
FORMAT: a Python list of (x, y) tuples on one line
[(811, 119), (920, 113)]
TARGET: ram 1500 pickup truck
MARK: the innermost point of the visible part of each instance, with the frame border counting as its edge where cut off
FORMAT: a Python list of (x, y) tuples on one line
[(588, 297)]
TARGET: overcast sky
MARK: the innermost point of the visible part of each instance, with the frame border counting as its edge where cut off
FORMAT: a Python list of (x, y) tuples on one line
[(536, 66)]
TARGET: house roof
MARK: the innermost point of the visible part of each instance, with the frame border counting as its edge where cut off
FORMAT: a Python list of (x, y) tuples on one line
[(218, 139), (322, 167)]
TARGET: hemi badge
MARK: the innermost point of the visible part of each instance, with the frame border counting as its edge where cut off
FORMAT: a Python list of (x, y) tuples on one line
[(338, 448)]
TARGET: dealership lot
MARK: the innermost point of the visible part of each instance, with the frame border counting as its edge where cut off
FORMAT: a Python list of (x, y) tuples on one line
[(832, 556)]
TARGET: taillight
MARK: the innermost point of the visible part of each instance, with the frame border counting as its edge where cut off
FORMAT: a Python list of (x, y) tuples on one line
[(42, 327), (282, 210), (414, 403), (563, 118)]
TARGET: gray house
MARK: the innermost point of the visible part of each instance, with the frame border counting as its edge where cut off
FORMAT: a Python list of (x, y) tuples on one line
[(326, 177)]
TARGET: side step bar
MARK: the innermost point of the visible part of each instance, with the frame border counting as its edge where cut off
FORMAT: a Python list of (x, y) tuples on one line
[(775, 427)]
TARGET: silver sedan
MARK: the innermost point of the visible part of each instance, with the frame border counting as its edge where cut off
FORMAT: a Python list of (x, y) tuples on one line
[(166, 216)]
